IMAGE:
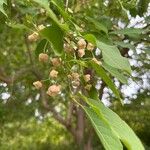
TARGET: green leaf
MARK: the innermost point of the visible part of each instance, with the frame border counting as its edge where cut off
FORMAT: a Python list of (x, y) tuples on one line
[(60, 6), (45, 4), (42, 45), (128, 31), (131, 32), (124, 45), (59, 3), (101, 73), (93, 93), (55, 36), (99, 26), (142, 6), (90, 38), (112, 57), (103, 130), (104, 38), (115, 72), (2, 2), (106, 21), (122, 130)]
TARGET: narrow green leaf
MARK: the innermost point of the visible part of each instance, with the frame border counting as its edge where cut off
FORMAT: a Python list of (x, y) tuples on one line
[(59, 3), (101, 73), (131, 32), (93, 93), (60, 6), (142, 6), (106, 21), (112, 57), (114, 72), (128, 31), (124, 45), (55, 36), (103, 130), (2, 2), (99, 26), (122, 130)]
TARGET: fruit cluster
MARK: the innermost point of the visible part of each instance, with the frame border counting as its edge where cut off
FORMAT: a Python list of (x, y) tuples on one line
[(73, 77)]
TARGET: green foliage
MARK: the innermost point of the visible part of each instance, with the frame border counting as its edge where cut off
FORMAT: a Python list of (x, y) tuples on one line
[(98, 26), (108, 138), (112, 57), (118, 126), (55, 36), (142, 7), (114, 72), (50, 13), (42, 46), (124, 45), (2, 2), (101, 73), (137, 116), (35, 135), (133, 33)]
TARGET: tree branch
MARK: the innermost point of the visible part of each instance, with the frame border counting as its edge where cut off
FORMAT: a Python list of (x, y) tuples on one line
[(101, 90), (69, 113), (11, 79), (28, 50)]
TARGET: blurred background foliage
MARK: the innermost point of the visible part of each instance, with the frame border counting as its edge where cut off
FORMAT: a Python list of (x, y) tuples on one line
[(24, 123), (19, 129)]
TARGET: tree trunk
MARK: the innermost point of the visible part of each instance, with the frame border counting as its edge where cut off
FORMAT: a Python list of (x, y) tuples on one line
[(88, 144), (79, 137)]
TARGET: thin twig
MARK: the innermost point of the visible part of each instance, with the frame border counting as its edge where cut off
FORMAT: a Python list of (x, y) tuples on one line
[(66, 5)]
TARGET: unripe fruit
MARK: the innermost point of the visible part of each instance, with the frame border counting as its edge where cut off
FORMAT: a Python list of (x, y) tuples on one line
[(75, 76), (75, 83), (33, 37), (69, 76), (40, 27), (53, 74), (68, 48), (87, 77), (43, 57), (54, 90), (81, 52), (42, 11), (88, 87), (90, 47), (56, 62), (37, 84), (81, 44)]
